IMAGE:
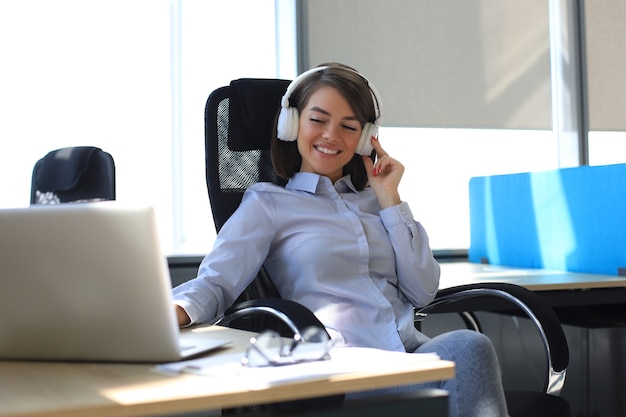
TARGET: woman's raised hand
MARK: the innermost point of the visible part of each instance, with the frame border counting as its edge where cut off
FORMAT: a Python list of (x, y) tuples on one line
[(384, 176)]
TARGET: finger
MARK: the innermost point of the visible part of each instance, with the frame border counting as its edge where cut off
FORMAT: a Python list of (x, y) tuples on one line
[(376, 145), (381, 165)]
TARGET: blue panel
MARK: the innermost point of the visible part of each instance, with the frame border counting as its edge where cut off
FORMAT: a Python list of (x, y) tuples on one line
[(570, 219)]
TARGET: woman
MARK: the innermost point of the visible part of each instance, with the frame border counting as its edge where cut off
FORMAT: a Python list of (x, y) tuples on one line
[(339, 239)]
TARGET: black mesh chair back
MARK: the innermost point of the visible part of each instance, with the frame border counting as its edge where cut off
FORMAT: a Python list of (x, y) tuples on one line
[(239, 119)]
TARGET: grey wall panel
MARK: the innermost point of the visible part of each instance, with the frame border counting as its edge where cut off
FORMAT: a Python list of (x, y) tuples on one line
[(444, 63), (606, 64)]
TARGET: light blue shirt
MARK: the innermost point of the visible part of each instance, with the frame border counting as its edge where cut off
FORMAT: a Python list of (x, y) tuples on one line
[(360, 269)]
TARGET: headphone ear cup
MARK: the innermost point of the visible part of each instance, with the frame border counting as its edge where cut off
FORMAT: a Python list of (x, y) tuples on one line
[(364, 146), (288, 123)]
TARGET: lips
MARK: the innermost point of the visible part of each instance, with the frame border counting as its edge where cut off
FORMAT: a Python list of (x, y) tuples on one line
[(327, 151)]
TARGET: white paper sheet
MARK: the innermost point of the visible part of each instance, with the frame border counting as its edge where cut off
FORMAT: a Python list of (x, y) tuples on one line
[(342, 360)]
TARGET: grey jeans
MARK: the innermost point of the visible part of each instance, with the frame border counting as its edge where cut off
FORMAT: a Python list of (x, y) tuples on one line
[(476, 390)]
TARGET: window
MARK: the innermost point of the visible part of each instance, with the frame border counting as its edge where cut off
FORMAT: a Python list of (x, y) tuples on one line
[(439, 163), (606, 62), (131, 77)]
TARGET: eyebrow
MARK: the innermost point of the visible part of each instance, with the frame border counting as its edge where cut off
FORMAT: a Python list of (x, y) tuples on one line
[(320, 110)]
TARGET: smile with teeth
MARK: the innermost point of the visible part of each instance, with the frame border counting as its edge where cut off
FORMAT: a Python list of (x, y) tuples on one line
[(326, 150)]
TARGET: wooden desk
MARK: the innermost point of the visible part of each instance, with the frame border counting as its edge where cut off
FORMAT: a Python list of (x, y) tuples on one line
[(458, 273), (99, 390), (587, 300)]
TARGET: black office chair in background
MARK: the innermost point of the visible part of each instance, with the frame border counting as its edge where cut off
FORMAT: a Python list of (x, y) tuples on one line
[(73, 174), (239, 119)]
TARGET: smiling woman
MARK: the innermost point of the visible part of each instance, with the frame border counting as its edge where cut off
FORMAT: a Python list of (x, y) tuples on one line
[(372, 263)]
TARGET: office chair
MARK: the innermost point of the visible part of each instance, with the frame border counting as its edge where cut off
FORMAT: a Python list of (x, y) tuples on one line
[(73, 174), (239, 119)]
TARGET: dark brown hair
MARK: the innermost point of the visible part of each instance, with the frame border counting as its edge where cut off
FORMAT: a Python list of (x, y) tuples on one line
[(285, 156)]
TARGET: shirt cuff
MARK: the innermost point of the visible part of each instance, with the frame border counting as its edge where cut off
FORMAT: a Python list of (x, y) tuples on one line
[(398, 214), (183, 305)]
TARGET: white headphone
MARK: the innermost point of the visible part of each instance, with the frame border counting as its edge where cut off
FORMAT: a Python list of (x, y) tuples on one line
[(288, 118)]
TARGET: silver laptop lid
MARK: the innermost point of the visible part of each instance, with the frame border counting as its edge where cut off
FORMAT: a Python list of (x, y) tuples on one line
[(84, 282)]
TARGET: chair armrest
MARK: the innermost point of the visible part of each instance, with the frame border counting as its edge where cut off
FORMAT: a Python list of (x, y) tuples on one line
[(287, 315), (538, 311)]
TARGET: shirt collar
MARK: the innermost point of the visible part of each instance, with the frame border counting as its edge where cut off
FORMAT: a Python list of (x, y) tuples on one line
[(344, 185), (308, 182)]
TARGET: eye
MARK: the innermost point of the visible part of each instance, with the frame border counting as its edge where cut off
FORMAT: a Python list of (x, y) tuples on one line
[(316, 120), (351, 128)]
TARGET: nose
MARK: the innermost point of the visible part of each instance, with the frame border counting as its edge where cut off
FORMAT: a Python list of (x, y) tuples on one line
[(330, 132)]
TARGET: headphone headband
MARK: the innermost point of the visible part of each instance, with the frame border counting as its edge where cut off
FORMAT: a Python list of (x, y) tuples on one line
[(284, 102)]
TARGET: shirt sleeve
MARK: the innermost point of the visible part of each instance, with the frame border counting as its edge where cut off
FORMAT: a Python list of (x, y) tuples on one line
[(418, 271), (238, 253)]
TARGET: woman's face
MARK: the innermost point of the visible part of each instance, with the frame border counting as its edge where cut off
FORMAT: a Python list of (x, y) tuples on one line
[(328, 133)]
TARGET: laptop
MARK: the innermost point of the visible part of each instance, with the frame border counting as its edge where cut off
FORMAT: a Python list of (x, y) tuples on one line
[(88, 282)]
